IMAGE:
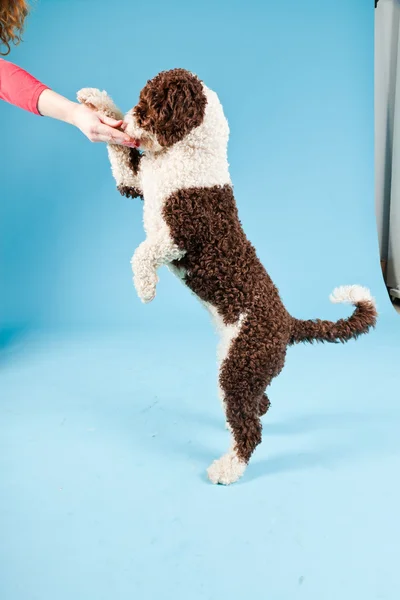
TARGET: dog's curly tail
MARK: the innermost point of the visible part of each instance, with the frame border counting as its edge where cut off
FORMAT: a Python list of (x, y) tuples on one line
[(361, 321)]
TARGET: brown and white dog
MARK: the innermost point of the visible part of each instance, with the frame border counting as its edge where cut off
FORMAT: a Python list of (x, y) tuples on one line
[(192, 226)]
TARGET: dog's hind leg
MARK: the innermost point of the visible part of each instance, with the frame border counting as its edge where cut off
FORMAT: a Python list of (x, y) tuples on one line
[(250, 365), (263, 406)]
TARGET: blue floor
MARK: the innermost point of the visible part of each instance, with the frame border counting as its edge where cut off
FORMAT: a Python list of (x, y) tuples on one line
[(104, 444)]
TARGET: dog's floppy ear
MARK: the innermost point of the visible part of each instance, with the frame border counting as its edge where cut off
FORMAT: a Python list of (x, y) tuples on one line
[(171, 105)]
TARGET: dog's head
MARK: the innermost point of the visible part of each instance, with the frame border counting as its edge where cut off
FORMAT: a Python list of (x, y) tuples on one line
[(170, 106)]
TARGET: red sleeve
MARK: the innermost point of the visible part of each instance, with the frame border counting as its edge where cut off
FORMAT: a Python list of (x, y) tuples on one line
[(19, 87)]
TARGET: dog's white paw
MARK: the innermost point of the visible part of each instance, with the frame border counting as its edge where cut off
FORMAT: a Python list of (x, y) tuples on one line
[(145, 275), (227, 469), (100, 101), (92, 97), (146, 287)]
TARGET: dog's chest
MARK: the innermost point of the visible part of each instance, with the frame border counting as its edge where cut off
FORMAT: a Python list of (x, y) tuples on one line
[(161, 177), (155, 185), (181, 167)]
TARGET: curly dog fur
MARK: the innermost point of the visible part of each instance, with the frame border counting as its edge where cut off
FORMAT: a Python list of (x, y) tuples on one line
[(192, 226)]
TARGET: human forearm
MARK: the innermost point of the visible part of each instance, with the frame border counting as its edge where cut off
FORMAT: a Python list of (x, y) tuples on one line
[(53, 105), (19, 87)]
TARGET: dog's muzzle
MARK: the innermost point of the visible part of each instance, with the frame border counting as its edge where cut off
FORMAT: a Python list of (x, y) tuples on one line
[(144, 139)]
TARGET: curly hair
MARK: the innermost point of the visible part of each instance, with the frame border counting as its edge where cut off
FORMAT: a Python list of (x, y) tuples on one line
[(170, 105), (12, 17)]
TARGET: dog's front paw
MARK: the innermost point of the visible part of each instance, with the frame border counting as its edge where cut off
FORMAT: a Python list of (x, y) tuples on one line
[(100, 101), (146, 287), (227, 469), (144, 273)]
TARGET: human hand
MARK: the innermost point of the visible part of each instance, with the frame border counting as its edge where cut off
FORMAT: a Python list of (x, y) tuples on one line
[(99, 128)]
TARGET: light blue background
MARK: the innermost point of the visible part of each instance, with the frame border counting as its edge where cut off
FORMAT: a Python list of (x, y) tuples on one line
[(109, 413)]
